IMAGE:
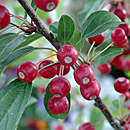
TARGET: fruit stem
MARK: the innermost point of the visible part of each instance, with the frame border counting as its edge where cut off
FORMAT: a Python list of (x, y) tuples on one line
[(127, 118), (45, 59), (45, 49), (20, 18), (101, 52), (90, 51), (61, 71), (99, 122), (123, 106), (46, 66)]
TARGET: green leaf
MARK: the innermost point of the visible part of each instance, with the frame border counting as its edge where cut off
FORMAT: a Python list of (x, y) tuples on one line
[(74, 40), (16, 55), (8, 46), (96, 116), (29, 40), (99, 22), (66, 28), (107, 54), (13, 100), (47, 96), (54, 27), (89, 7), (116, 104)]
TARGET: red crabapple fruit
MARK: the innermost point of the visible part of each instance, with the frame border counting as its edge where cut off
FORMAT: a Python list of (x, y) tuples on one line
[(98, 39), (118, 35), (91, 91), (59, 86), (27, 71), (121, 84), (48, 72), (67, 55), (4, 17), (47, 5), (83, 74), (104, 68), (58, 105), (121, 13)]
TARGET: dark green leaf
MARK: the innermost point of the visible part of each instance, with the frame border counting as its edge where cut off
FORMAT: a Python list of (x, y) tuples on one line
[(66, 28), (89, 7), (54, 27), (74, 40), (16, 55), (13, 100), (99, 22), (107, 54), (8, 46), (29, 40), (47, 96)]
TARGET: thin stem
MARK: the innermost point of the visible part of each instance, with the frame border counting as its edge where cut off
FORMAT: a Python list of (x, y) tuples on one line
[(46, 49), (127, 118), (61, 71), (46, 66), (90, 51), (101, 51), (20, 18), (82, 57), (45, 59), (99, 122), (123, 106)]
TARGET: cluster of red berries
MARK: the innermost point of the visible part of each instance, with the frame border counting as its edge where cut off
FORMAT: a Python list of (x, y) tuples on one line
[(59, 86), (119, 35), (47, 5), (4, 17)]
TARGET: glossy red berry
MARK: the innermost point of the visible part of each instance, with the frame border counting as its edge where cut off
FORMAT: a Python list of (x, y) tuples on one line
[(98, 39), (59, 86), (91, 91), (58, 105), (118, 35), (4, 17), (121, 84), (27, 71), (66, 69), (121, 13), (86, 126), (47, 5), (67, 55), (48, 72), (83, 74), (126, 28), (104, 68), (121, 43)]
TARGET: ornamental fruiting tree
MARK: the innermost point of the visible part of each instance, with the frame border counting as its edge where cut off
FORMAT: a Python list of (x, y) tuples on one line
[(108, 34)]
